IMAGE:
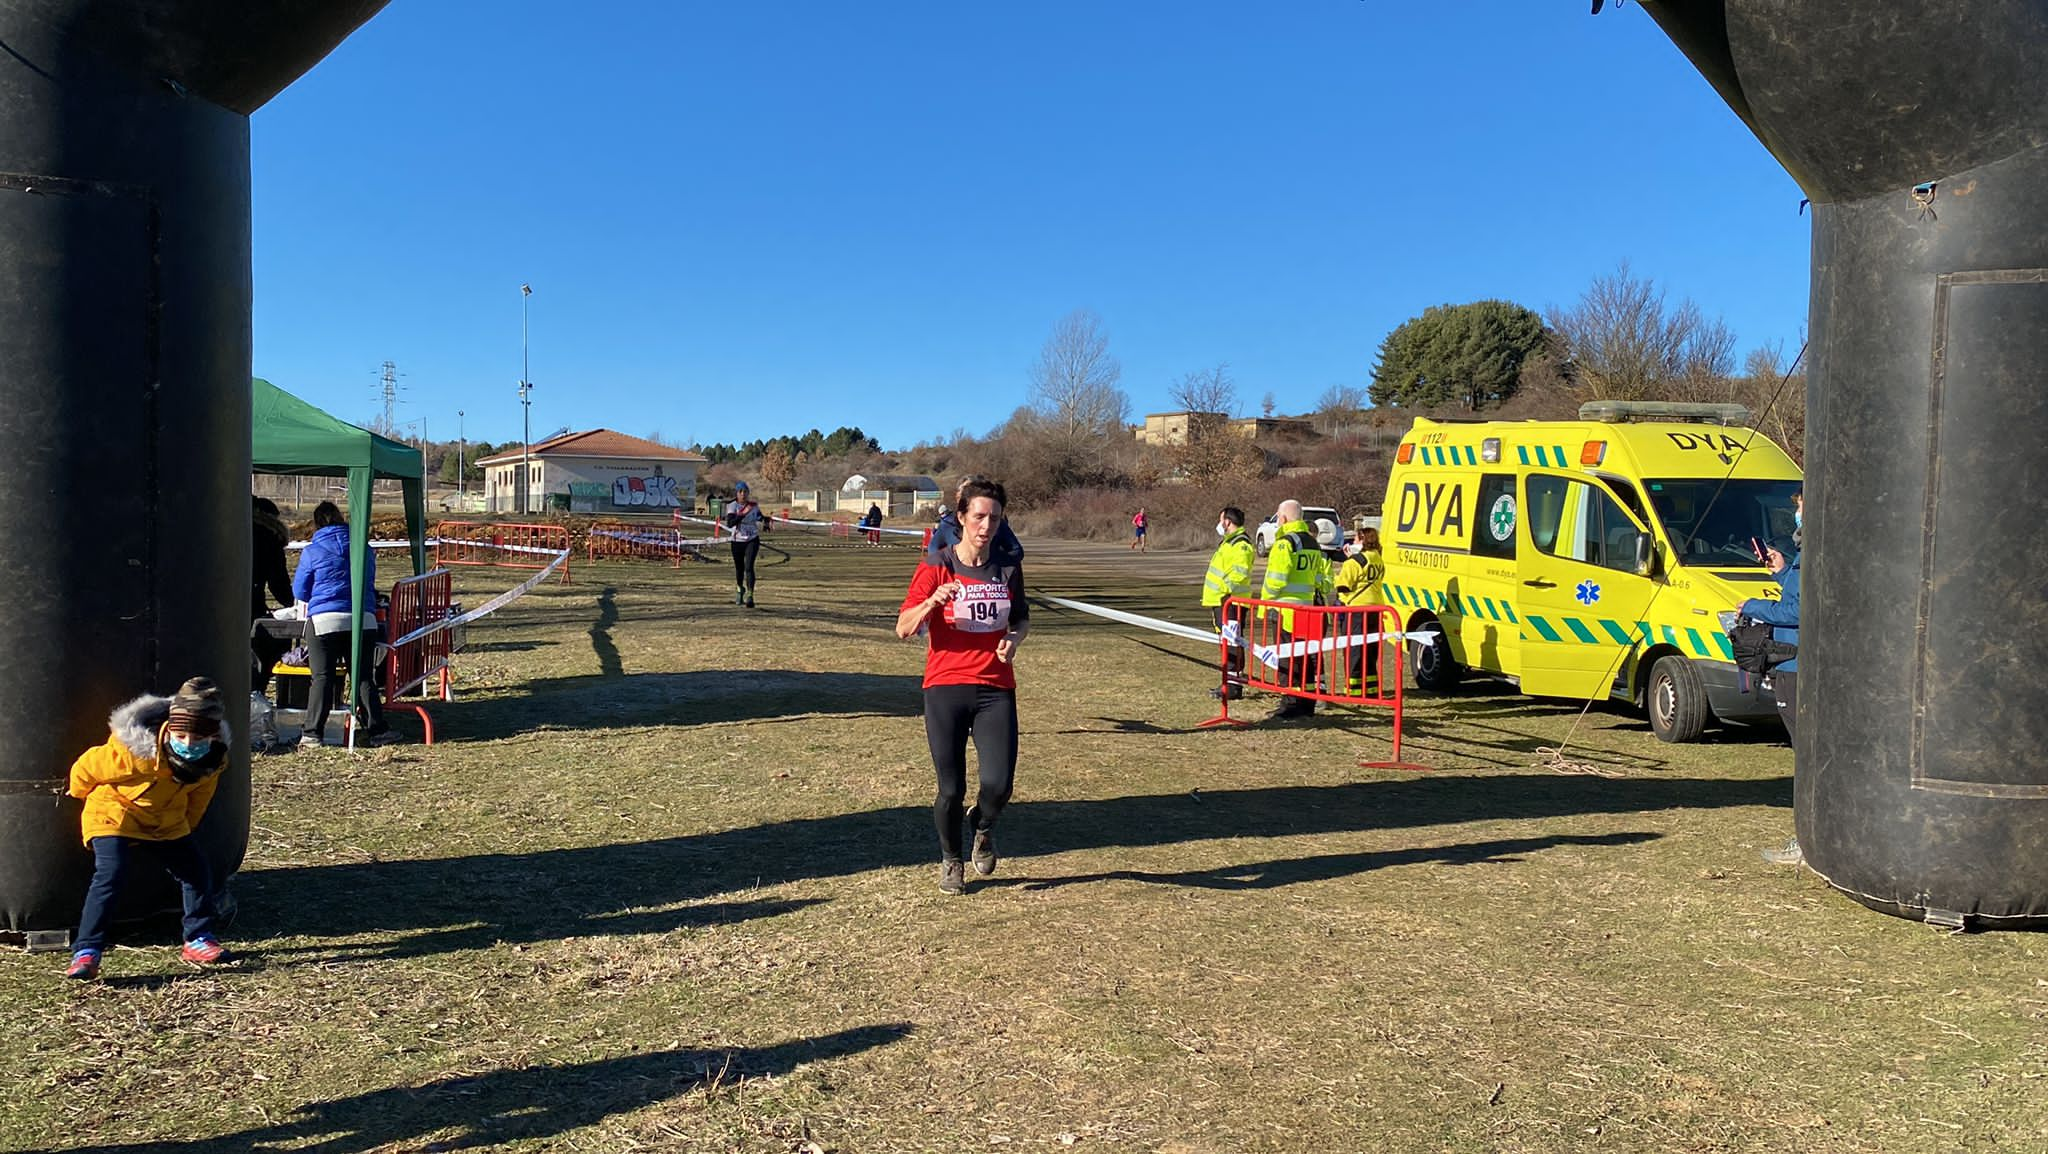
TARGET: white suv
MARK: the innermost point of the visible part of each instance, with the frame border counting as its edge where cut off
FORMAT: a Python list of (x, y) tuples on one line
[(1329, 529)]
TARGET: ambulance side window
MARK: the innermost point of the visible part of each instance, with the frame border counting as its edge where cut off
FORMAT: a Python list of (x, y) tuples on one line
[(1493, 529), (1580, 522), (1626, 494), (1544, 509)]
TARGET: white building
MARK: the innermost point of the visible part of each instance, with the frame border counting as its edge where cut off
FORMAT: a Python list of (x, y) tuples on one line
[(597, 471)]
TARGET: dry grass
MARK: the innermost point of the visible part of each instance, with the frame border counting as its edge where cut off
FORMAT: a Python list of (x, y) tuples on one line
[(668, 884)]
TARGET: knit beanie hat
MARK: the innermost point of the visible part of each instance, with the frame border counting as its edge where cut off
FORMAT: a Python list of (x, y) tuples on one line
[(197, 704)]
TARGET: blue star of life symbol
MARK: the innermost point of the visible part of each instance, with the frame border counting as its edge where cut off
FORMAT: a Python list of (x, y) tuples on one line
[(1587, 593)]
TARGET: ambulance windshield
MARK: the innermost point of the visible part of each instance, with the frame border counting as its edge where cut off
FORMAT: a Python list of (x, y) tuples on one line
[(1711, 522)]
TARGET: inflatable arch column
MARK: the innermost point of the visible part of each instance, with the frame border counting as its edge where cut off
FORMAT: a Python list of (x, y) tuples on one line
[(1919, 128), (124, 386)]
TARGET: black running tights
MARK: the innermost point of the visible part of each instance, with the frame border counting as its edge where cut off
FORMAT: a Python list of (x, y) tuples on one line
[(951, 714), (743, 554)]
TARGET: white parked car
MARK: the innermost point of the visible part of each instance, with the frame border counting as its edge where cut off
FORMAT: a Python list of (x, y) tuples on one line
[(1328, 526)]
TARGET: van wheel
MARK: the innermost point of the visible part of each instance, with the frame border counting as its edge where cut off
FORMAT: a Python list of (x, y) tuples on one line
[(1677, 700), (1434, 667)]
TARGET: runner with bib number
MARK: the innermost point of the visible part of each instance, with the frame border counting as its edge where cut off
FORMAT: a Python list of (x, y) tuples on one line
[(969, 602)]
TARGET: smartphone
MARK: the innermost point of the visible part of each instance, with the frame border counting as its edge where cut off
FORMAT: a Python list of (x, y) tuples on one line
[(1757, 547)]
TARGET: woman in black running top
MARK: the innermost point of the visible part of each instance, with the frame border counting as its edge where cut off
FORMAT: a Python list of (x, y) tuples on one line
[(969, 601)]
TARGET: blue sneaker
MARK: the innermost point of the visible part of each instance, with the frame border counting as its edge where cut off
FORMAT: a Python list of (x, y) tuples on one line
[(85, 965)]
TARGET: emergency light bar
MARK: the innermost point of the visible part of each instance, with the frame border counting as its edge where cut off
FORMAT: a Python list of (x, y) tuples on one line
[(1616, 412)]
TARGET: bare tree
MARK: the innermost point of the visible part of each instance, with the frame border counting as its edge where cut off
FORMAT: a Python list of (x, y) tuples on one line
[(1212, 454), (1338, 408), (1625, 344), (1073, 384), (1268, 404), (1076, 411), (1206, 391), (1776, 395)]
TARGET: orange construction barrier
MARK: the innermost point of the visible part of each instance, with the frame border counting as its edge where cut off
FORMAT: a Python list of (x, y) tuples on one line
[(624, 539), (424, 642), (1341, 654), (507, 546)]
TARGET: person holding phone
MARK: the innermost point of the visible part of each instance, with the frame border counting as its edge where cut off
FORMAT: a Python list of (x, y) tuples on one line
[(968, 600)]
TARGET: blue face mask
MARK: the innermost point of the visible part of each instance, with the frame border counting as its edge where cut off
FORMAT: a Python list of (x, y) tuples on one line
[(192, 751)]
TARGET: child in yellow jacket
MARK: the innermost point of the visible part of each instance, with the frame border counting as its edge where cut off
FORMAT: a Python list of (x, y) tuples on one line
[(145, 790)]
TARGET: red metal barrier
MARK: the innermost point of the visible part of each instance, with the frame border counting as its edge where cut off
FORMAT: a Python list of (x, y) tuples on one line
[(623, 539), (418, 652), (1342, 654), (507, 546)]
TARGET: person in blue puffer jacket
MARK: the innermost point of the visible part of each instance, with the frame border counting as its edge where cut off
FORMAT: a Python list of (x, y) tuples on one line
[(321, 588)]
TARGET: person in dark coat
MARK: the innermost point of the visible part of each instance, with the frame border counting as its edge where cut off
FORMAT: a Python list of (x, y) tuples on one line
[(270, 578), (946, 532)]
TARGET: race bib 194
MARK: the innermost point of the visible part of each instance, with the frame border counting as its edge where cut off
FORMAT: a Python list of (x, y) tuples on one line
[(982, 607)]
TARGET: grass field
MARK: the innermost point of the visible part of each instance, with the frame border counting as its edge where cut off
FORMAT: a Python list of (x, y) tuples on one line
[(668, 883)]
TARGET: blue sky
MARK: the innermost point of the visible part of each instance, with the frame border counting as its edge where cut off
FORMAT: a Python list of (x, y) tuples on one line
[(742, 220)]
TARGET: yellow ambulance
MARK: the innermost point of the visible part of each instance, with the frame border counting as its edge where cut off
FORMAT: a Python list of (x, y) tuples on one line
[(1589, 558)]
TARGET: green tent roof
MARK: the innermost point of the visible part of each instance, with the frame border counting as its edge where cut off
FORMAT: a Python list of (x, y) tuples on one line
[(293, 437)]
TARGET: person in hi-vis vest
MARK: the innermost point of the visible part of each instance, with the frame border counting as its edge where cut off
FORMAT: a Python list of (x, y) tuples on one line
[(1230, 575), (1297, 572), (1358, 584)]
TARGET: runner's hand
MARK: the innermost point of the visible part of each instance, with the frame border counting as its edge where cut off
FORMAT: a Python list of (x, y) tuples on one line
[(1006, 648), (947, 592)]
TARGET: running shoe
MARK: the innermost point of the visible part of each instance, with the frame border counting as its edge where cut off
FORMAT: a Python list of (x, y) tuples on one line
[(85, 965), (1788, 855), (953, 876), (984, 855), (204, 951)]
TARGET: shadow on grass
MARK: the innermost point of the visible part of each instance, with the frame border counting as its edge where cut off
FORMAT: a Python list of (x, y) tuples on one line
[(472, 902), (486, 920), (601, 642), (609, 700), (1324, 867), (529, 1104), (506, 646), (1120, 725)]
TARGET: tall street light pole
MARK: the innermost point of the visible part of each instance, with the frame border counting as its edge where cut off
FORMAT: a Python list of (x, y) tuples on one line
[(526, 406), (461, 445)]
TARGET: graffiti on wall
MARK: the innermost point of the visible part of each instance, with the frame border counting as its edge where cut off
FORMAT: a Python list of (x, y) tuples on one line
[(656, 492)]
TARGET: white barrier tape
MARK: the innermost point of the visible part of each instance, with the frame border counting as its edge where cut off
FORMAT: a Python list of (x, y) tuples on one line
[(1268, 655), (300, 545), (561, 557), (639, 536), (1173, 628), (850, 527)]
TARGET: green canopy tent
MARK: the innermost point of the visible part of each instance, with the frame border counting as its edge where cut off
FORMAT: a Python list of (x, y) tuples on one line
[(293, 438)]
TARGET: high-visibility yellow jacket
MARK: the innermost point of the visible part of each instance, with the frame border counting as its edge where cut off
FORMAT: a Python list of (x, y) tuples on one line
[(1296, 570), (127, 784), (1230, 569), (1358, 580)]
